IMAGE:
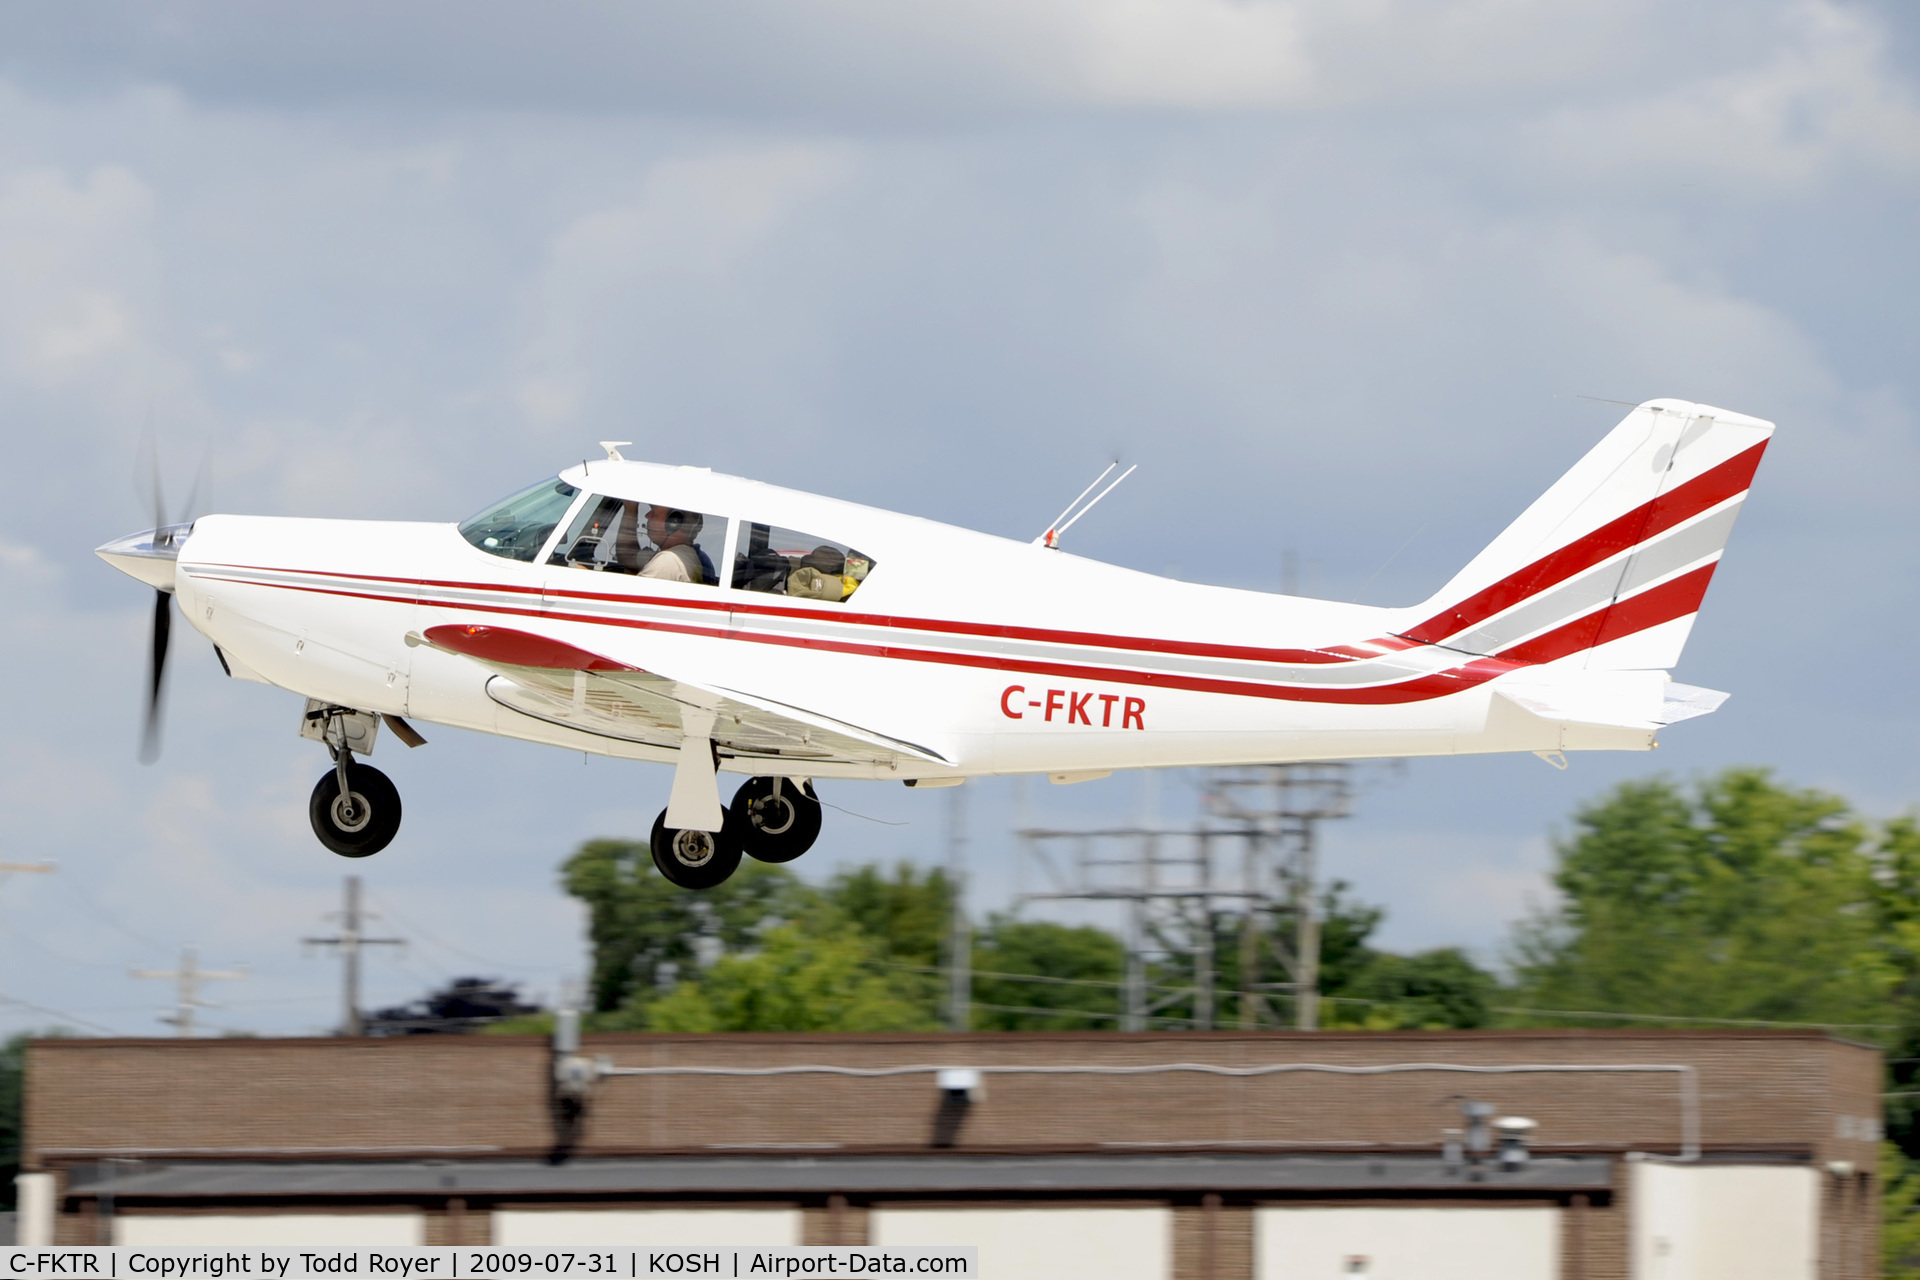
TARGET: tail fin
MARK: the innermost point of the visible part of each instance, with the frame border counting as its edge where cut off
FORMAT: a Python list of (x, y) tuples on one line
[(1613, 560)]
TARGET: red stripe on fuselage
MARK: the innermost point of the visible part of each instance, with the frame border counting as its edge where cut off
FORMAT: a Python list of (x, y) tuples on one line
[(1663, 603), (1414, 689), (1341, 653)]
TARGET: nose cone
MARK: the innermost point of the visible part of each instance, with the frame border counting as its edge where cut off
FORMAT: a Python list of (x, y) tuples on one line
[(148, 556)]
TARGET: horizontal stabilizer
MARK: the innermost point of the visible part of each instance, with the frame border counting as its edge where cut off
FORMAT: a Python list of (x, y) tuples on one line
[(1685, 701), (1614, 699)]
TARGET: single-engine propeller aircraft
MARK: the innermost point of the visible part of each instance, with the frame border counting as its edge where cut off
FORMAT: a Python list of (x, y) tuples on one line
[(721, 625)]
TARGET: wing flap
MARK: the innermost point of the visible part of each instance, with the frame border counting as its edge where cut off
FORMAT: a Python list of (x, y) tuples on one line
[(562, 684)]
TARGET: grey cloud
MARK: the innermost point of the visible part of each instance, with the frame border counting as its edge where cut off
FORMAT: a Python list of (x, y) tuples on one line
[(395, 262), (865, 59)]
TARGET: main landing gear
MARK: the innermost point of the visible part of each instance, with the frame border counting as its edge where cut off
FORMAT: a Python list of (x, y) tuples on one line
[(770, 820), (354, 808)]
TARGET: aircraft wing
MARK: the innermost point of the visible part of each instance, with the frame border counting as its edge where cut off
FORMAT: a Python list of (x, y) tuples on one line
[(565, 685)]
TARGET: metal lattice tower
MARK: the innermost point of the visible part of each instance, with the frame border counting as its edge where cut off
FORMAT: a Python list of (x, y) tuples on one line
[(1254, 852), (1276, 811)]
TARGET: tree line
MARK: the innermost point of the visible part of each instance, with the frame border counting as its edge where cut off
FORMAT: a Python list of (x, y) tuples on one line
[(867, 951), (1735, 899)]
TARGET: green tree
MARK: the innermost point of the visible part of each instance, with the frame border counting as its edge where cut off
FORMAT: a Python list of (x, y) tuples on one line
[(1899, 1215), (1737, 898), (908, 913), (1078, 971), (640, 925), (13, 1070), (821, 975), (1431, 990)]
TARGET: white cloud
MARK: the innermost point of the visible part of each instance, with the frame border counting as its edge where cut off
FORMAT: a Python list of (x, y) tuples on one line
[(77, 272), (1827, 99), (1185, 53), (620, 283)]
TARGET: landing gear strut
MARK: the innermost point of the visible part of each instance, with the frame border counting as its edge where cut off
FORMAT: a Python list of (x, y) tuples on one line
[(354, 808), (775, 819)]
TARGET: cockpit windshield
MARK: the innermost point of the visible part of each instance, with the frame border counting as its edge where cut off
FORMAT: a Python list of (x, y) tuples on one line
[(518, 527)]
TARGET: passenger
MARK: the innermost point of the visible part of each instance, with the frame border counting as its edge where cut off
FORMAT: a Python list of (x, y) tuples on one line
[(675, 558), (828, 560)]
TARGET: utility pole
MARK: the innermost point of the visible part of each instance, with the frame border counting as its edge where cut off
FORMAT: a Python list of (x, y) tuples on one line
[(189, 977), (350, 939), (960, 933), (34, 868)]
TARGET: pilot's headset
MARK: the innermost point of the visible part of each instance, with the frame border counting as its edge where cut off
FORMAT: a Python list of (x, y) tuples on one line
[(687, 522)]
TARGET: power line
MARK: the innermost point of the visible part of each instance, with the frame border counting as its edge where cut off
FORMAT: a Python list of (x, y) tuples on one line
[(1683, 1017), (56, 1013), (413, 926)]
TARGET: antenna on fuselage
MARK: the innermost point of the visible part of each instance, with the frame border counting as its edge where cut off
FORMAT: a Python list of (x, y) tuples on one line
[(1051, 538), (613, 449)]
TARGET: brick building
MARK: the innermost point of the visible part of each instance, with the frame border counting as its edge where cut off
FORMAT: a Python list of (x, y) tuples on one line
[(1189, 1156)]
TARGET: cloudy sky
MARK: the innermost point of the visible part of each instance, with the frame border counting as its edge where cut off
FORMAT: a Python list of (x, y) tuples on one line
[(1335, 273)]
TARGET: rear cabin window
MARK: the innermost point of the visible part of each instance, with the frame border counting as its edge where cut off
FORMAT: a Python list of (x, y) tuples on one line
[(518, 527), (789, 563), (651, 540)]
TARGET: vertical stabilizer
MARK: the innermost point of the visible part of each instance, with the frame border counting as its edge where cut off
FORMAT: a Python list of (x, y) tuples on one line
[(1611, 563)]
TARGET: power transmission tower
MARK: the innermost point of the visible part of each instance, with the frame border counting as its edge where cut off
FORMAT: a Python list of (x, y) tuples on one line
[(960, 932), (189, 976), (350, 939), (1276, 809), (1165, 880), (1172, 880)]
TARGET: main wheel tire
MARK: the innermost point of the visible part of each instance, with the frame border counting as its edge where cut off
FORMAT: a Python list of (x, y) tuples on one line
[(693, 859), (361, 823), (774, 827)]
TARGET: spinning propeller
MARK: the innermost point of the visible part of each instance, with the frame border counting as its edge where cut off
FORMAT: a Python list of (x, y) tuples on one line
[(157, 549)]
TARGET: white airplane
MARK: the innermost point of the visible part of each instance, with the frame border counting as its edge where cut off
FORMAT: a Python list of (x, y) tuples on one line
[(717, 624)]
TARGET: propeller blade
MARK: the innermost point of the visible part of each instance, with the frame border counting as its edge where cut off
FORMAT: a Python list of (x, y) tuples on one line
[(157, 670), (202, 490)]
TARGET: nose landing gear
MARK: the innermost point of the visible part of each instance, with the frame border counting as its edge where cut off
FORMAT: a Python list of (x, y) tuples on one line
[(354, 808)]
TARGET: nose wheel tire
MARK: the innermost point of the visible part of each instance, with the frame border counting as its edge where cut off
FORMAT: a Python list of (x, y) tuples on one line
[(693, 859), (361, 822), (774, 819)]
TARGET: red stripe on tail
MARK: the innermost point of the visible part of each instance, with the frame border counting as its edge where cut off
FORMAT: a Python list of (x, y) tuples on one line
[(1710, 489), (1675, 598)]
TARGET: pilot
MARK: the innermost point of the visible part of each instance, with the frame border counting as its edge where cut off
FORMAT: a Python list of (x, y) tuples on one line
[(675, 558), (628, 555)]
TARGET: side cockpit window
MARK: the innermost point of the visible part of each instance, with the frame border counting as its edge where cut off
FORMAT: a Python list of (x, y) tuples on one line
[(518, 527), (653, 540), (789, 563)]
